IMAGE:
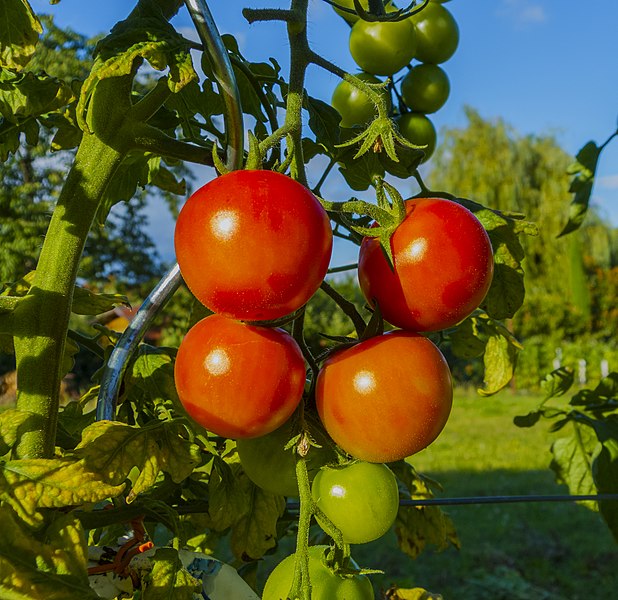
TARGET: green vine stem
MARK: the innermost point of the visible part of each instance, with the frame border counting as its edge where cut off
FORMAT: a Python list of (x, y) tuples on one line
[(40, 321)]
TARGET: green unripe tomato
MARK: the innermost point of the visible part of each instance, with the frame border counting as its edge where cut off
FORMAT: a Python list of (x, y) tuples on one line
[(383, 48), (354, 106), (419, 130), (437, 34), (361, 499), (325, 585), (425, 88), (271, 467)]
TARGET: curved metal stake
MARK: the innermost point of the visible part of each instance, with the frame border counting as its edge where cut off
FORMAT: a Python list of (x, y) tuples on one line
[(167, 286)]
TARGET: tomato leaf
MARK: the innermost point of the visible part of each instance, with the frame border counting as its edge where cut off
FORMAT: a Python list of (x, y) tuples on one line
[(86, 302), (169, 578), (256, 532), (418, 526), (572, 458), (11, 420), (468, 340), (19, 33), (324, 122), (27, 485), (605, 470), (583, 171), (228, 495), (52, 568), (114, 449), (499, 360), (396, 593), (558, 382)]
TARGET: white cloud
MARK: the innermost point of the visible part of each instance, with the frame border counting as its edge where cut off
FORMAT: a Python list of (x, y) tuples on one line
[(523, 12)]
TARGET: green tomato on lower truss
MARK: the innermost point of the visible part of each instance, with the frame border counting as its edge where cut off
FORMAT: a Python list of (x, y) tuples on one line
[(361, 499), (325, 584)]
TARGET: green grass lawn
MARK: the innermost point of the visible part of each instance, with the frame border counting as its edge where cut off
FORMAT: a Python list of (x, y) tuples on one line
[(540, 551)]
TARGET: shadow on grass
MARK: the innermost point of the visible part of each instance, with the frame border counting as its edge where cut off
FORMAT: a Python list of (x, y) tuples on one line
[(545, 551)]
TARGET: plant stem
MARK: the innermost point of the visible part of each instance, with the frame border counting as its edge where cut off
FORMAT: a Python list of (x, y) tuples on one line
[(41, 319)]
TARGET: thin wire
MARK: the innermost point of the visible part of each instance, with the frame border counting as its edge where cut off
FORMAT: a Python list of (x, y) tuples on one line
[(170, 282), (472, 500)]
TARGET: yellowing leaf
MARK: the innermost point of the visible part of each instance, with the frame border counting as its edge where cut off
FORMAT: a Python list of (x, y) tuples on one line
[(169, 578), (417, 593), (52, 570), (256, 532), (10, 421), (28, 485), (114, 449)]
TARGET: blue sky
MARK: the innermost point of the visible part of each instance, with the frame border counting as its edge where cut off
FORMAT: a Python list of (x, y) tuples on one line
[(544, 66)]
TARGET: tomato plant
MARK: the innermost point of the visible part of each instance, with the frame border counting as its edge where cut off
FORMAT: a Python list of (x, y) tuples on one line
[(325, 584), (352, 17), (437, 34), (216, 360), (382, 48), (352, 104), (425, 88), (253, 245), (361, 499), (386, 398), (419, 130), (443, 267), (269, 465)]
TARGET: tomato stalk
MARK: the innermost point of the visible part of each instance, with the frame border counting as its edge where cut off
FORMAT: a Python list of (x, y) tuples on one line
[(41, 319)]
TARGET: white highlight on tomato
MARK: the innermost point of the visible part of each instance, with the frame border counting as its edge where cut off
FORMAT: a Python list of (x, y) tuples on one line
[(415, 251), (224, 224), (364, 382), (217, 362), (337, 491)]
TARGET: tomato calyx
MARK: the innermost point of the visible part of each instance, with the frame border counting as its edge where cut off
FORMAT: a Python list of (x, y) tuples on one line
[(377, 12)]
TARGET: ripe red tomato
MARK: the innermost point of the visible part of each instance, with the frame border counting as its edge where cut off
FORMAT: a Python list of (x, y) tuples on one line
[(253, 245), (385, 398), (353, 105), (443, 267), (325, 585), (273, 468), (361, 499), (437, 33), (238, 380), (382, 48)]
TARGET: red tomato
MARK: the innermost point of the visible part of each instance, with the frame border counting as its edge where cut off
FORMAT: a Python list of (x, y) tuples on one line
[(237, 380), (253, 245), (385, 398), (443, 267)]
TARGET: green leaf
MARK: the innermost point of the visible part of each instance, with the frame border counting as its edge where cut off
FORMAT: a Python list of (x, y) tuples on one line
[(11, 421), (558, 382), (572, 459), (54, 568), (583, 171), (87, 302), (418, 526), (19, 33), (532, 418), (148, 37), (499, 361), (169, 578), (228, 495), (506, 294), (113, 449), (605, 469), (256, 532), (25, 94), (324, 122), (396, 593), (28, 485), (468, 341), (361, 172)]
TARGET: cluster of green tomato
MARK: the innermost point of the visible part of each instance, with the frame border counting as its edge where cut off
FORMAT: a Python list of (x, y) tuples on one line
[(429, 37)]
